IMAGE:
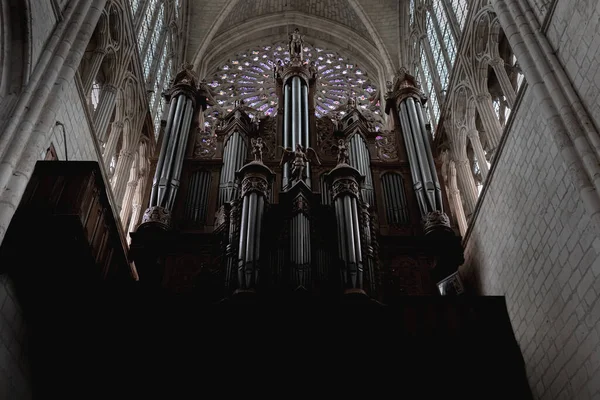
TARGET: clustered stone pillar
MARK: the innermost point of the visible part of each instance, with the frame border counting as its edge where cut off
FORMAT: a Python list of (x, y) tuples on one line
[(466, 184), (183, 98), (507, 88), (473, 136), (456, 199), (344, 182), (256, 179), (489, 119), (32, 118), (104, 111)]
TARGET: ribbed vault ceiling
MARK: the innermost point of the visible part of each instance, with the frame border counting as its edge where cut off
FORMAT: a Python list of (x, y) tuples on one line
[(367, 31)]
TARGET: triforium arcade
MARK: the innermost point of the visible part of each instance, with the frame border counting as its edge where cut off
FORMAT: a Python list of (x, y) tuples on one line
[(263, 207)]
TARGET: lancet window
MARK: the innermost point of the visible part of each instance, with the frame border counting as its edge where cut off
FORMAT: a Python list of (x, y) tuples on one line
[(436, 45), (156, 47)]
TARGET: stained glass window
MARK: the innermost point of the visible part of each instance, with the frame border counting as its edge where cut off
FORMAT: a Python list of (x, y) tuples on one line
[(248, 76), (460, 8), (95, 95), (135, 4)]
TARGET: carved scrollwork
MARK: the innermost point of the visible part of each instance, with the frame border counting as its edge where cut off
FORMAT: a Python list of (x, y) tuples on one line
[(256, 184), (325, 139), (205, 145), (436, 220), (344, 186), (158, 215), (386, 146), (300, 205), (269, 136)]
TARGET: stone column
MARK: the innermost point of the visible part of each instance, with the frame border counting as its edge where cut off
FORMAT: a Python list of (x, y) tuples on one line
[(104, 111), (122, 172), (256, 181), (455, 199), (572, 129), (31, 120), (129, 195), (136, 205), (110, 147), (473, 136), (466, 184), (94, 67), (507, 88), (344, 182), (489, 119)]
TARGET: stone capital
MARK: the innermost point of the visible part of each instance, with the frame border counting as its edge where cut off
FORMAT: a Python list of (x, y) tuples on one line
[(497, 62), (473, 134), (484, 97)]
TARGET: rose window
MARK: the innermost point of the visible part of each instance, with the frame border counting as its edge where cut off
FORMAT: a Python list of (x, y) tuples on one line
[(249, 77)]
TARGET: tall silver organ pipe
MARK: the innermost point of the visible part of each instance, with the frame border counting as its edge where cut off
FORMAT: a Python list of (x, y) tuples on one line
[(345, 183), (256, 180), (300, 246), (183, 96), (234, 155), (360, 159), (296, 121), (426, 183), (396, 204), (197, 198), (286, 132)]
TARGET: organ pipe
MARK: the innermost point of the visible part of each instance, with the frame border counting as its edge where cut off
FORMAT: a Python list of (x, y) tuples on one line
[(183, 99), (296, 122), (345, 182), (234, 153), (256, 180)]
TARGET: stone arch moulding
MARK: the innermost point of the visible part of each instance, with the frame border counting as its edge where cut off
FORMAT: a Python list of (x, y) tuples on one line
[(229, 41)]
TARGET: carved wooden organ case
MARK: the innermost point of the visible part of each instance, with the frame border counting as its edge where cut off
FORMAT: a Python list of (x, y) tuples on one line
[(288, 204)]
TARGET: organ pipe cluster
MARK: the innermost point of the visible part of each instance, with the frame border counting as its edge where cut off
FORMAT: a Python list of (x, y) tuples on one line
[(422, 167), (184, 99), (296, 122), (359, 159), (300, 237), (234, 155), (345, 188), (256, 180)]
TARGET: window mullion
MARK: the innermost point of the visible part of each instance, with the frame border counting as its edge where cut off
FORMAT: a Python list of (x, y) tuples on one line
[(146, 44), (441, 41)]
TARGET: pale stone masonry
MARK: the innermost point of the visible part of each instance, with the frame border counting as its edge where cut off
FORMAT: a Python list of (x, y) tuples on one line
[(533, 239)]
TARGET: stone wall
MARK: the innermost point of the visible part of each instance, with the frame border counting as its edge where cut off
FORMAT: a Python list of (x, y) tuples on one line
[(532, 240), (80, 139)]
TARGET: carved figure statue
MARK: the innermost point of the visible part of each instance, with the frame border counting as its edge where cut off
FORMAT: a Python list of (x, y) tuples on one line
[(351, 103), (257, 148), (336, 121), (342, 152), (313, 70), (300, 158), (296, 44)]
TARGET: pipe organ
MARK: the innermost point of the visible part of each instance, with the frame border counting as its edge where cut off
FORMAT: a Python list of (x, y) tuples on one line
[(249, 224)]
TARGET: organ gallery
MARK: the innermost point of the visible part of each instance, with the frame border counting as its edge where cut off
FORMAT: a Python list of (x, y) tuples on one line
[(247, 205)]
